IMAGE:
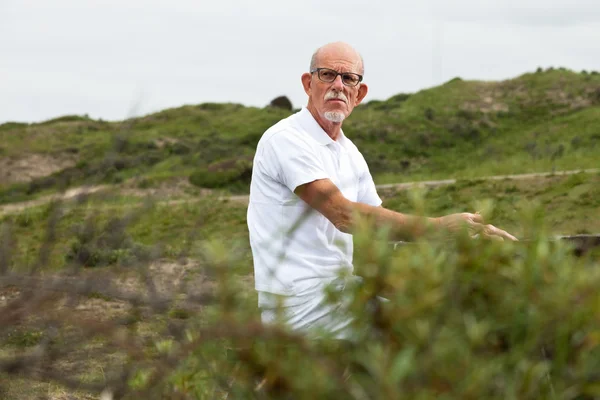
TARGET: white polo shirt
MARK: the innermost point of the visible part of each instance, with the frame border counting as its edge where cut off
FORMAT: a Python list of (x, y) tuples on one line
[(295, 248)]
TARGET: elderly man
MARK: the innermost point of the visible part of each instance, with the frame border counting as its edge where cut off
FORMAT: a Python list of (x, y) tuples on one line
[(309, 182)]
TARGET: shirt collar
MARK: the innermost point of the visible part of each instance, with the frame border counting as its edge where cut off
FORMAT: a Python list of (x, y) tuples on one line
[(312, 127)]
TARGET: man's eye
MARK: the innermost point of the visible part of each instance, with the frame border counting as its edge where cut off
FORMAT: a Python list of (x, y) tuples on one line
[(327, 74)]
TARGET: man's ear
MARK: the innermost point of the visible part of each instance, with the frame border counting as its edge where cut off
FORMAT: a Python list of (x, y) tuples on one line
[(306, 81), (362, 92)]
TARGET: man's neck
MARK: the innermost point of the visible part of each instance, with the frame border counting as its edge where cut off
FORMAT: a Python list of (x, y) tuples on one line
[(332, 129)]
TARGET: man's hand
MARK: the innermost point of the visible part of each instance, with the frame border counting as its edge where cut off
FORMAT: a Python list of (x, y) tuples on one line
[(474, 225)]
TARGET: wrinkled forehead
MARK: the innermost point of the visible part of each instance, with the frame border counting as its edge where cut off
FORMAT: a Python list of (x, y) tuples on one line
[(341, 57)]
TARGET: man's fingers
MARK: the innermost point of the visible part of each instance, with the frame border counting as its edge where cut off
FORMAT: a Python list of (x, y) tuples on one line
[(475, 226), (492, 232)]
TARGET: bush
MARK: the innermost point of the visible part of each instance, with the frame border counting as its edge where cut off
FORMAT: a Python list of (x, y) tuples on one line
[(212, 179), (212, 106), (98, 245), (223, 174), (429, 114), (281, 102), (122, 144), (179, 148), (465, 319), (467, 114)]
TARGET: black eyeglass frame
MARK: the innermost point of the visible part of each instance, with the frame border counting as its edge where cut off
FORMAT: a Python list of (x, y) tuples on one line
[(318, 71)]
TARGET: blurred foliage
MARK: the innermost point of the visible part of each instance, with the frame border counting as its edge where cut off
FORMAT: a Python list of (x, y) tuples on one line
[(176, 317), (465, 319)]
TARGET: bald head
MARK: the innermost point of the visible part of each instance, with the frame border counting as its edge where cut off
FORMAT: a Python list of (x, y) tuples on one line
[(337, 50)]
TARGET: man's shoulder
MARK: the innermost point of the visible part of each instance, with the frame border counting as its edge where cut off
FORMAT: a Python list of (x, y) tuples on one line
[(286, 131)]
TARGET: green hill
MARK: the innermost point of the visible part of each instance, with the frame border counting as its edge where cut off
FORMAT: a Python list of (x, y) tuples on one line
[(536, 122)]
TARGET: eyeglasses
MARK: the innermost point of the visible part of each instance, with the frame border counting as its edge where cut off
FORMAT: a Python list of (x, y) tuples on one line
[(328, 75)]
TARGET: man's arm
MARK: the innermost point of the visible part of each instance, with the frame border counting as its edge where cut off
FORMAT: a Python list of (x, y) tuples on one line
[(326, 198)]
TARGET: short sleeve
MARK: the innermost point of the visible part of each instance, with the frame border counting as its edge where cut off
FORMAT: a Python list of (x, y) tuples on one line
[(367, 192), (294, 161)]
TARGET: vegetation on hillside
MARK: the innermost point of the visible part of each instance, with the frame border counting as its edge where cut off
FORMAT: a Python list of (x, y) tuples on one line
[(537, 122), (89, 230)]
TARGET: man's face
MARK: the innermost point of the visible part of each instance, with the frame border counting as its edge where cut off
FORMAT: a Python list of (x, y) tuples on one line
[(334, 101)]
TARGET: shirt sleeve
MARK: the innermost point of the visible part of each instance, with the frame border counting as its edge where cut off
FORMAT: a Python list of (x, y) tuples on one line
[(292, 161), (367, 192)]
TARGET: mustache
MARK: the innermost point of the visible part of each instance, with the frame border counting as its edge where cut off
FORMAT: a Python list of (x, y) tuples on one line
[(336, 95)]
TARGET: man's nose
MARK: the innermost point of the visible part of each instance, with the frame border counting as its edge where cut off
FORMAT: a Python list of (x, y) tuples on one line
[(337, 83)]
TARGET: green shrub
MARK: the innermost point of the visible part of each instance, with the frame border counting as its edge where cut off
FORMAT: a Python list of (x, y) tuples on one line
[(223, 174), (179, 148), (96, 244), (212, 106), (122, 144), (282, 102), (466, 114), (429, 114), (464, 319), (213, 179)]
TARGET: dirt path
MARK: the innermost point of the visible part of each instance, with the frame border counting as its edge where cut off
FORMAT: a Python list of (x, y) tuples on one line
[(444, 182), (14, 208)]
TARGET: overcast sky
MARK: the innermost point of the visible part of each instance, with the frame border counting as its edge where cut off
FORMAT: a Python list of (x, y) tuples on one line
[(116, 58)]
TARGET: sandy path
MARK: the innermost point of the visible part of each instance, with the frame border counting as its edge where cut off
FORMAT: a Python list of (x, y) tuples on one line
[(444, 182), (13, 208)]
